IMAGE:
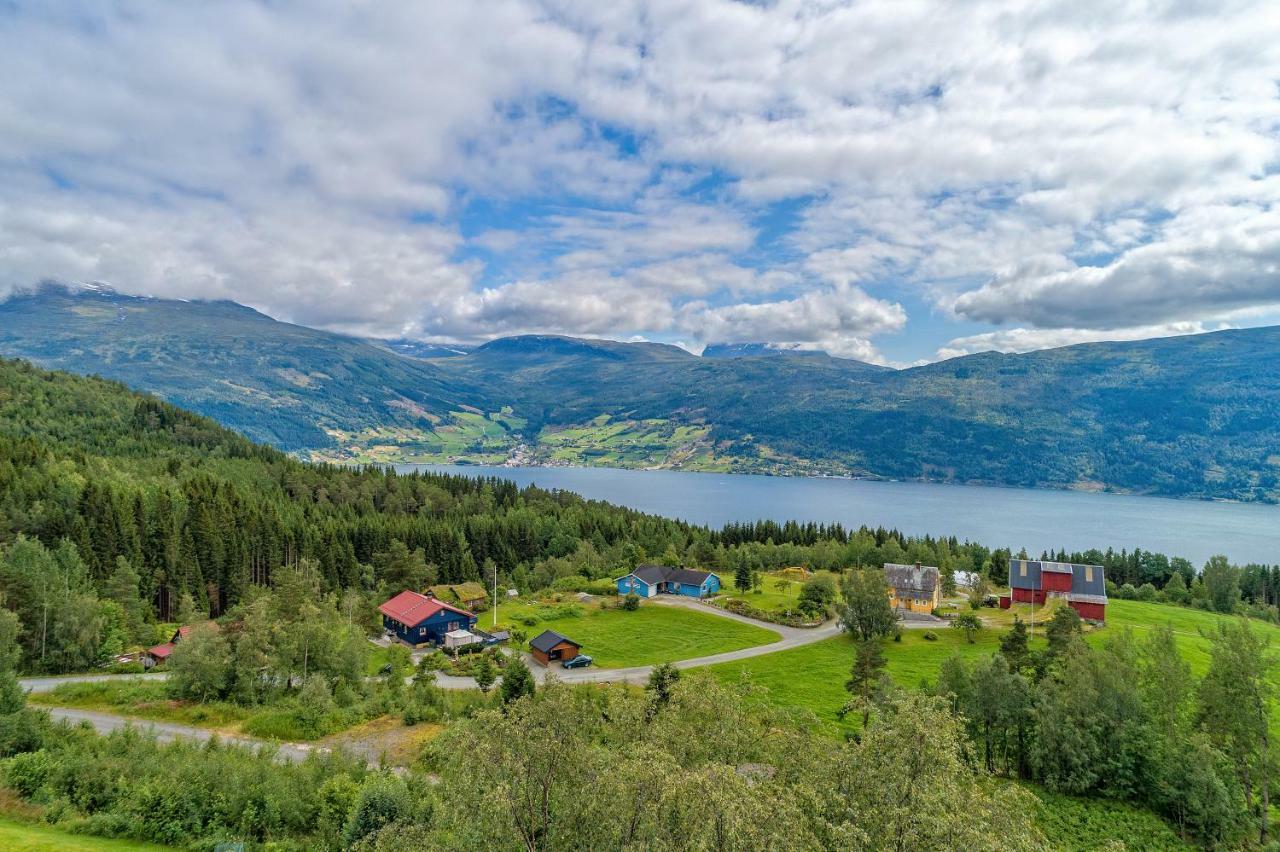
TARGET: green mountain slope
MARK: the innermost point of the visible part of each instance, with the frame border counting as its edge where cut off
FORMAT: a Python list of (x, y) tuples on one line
[(286, 385), (1192, 416)]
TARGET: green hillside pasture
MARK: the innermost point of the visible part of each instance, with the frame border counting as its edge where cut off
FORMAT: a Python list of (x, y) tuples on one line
[(812, 677), (470, 437), (622, 442), (650, 635)]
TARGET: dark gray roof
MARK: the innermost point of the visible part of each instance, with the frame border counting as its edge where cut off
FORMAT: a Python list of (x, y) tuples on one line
[(911, 578), (651, 574), (1086, 580), (548, 639)]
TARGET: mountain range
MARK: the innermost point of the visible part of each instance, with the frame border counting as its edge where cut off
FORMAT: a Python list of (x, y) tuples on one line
[(1193, 416)]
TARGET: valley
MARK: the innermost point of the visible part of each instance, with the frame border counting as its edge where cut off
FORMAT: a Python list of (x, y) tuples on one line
[(1190, 416)]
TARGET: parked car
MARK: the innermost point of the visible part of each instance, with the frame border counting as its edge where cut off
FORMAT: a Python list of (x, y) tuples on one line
[(579, 662)]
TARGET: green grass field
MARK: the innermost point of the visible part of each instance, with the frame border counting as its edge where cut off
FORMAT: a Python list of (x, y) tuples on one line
[(629, 443), (813, 676), (18, 836), (652, 634)]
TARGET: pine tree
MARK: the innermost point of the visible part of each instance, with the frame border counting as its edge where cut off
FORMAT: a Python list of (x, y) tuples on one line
[(517, 681), (866, 679)]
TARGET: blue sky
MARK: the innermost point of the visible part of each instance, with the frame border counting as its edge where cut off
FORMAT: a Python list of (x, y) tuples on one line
[(886, 181)]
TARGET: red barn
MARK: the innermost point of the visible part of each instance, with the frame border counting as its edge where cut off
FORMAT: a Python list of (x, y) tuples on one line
[(1083, 586)]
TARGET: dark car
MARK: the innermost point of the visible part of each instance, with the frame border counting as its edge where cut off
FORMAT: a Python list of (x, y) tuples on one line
[(579, 662)]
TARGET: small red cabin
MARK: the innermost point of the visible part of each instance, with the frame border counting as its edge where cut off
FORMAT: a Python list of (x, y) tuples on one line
[(1005, 601)]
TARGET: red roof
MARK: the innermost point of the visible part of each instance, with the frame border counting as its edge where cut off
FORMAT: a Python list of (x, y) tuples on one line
[(411, 609), (161, 652)]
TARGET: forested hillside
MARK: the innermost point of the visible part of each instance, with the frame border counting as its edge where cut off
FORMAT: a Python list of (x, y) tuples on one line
[(1191, 416), (277, 383)]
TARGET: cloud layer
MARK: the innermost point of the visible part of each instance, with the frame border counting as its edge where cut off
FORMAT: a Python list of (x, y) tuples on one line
[(799, 172)]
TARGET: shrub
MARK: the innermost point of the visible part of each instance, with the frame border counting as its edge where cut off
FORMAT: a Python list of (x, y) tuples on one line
[(28, 772), (632, 602), (1146, 592), (382, 800), (602, 587), (818, 595), (573, 583), (930, 636), (126, 668)]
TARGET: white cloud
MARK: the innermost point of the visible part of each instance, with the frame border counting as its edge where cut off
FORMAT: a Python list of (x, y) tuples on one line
[(1031, 339), (1049, 165), (1207, 261)]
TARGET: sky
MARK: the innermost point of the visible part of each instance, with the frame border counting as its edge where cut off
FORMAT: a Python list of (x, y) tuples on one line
[(893, 181)]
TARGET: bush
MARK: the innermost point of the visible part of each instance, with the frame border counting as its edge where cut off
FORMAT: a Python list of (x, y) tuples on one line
[(1146, 592), (126, 668), (632, 602), (574, 583), (602, 587), (817, 596), (28, 772), (1127, 592), (382, 800), (930, 636)]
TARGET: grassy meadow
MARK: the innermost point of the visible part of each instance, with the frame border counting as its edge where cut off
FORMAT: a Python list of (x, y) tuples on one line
[(812, 677)]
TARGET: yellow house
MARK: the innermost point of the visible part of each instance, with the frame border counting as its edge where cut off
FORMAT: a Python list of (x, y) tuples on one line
[(913, 588)]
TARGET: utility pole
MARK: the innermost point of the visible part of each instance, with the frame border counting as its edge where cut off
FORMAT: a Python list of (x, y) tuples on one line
[(495, 594)]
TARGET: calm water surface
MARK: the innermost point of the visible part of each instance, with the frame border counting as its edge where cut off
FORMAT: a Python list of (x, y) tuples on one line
[(1016, 518)]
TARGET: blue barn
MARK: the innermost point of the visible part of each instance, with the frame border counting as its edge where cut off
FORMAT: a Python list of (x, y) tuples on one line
[(416, 619), (650, 580)]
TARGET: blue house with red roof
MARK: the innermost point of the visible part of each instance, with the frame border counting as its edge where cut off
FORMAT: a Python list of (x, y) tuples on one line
[(416, 619)]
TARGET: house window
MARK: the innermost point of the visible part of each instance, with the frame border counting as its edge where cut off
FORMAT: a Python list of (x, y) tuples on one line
[(422, 631), (1088, 573), (1022, 569)]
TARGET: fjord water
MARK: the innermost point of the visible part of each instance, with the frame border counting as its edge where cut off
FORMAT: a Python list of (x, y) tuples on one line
[(998, 517)]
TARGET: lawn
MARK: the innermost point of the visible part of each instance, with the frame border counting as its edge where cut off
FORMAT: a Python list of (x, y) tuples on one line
[(35, 837), (652, 634), (813, 676)]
